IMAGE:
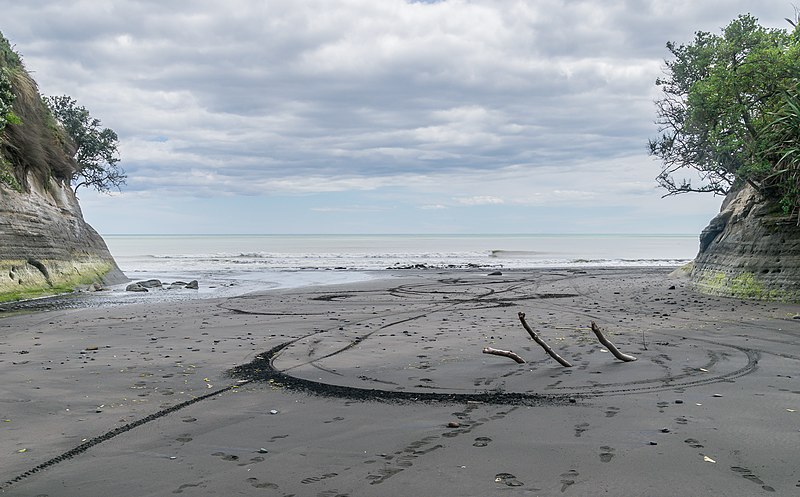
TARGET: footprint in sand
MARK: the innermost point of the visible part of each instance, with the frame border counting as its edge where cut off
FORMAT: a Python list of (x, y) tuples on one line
[(482, 441), (748, 475), (185, 486), (579, 429), (607, 453), (332, 493), (681, 420), (315, 479), (501, 414), (611, 412), (255, 483), (507, 479), (568, 479), (235, 458), (693, 443), (252, 460), (226, 457), (337, 418), (183, 438)]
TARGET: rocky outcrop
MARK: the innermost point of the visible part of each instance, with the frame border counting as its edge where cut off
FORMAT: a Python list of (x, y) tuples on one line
[(146, 286), (46, 246), (749, 250)]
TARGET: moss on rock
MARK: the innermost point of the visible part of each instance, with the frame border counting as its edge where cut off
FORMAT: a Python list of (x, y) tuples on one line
[(23, 279), (741, 285)]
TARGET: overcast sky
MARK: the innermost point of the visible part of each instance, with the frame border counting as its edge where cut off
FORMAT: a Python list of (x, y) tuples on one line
[(374, 116)]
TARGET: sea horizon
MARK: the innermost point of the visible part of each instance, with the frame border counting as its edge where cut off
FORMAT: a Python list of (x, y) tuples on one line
[(247, 255)]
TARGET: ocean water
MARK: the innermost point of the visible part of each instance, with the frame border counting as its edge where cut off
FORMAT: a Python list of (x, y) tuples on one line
[(252, 262), (230, 265)]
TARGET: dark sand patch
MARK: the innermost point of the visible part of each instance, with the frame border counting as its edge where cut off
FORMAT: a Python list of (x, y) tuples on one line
[(353, 389)]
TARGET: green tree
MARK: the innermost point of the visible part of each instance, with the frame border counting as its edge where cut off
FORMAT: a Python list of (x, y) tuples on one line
[(720, 114), (782, 148), (7, 97), (95, 147)]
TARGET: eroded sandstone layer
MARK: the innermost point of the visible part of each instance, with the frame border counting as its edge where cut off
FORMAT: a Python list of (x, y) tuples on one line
[(46, 246), (749, 250)]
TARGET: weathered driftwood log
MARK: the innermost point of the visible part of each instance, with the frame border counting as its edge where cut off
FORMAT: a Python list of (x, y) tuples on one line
[(504, 353), (541, 342), (610, 346)]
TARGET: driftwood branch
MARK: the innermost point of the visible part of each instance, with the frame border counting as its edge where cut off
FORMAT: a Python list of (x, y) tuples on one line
[(504, 353), (610, 346), (541, 342)]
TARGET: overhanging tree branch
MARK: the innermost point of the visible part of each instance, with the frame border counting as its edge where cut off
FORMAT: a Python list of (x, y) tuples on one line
[(96, 155)]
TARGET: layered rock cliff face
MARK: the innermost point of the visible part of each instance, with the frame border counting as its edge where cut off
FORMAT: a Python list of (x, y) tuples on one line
[(46, 246), (750, 250)]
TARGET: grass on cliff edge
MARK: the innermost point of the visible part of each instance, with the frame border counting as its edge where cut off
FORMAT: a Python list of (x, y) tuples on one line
[(35, 293)]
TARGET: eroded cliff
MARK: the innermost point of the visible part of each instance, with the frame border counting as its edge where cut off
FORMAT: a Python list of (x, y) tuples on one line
[(749, 250), (45, 244)]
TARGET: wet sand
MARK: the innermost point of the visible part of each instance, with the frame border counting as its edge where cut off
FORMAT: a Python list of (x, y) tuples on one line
[(380, 388)]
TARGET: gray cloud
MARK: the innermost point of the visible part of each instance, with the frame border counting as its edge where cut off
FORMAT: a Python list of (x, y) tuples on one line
[(249, 95)]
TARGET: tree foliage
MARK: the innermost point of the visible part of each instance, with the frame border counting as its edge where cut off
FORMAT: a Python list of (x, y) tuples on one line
[(8, 60), (6, 101), (726, 115), (95, 147)]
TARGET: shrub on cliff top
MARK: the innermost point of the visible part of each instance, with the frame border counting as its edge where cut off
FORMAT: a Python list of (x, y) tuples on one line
[(51, 138), (95, 146), (725, 117), (28, 145), (10, 59)]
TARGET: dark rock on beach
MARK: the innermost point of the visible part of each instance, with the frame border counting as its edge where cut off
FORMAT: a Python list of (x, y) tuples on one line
[(143, 286)]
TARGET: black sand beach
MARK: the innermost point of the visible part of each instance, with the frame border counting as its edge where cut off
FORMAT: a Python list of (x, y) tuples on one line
[(380, 388)]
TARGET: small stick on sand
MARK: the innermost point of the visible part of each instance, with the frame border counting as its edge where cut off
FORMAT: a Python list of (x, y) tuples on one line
[(610, 346), (504, 353), (541, 342)]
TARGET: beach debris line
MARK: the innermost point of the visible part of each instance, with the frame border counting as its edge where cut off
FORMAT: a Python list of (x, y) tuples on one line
[(610, 346), (542, 343), (504, 353)]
